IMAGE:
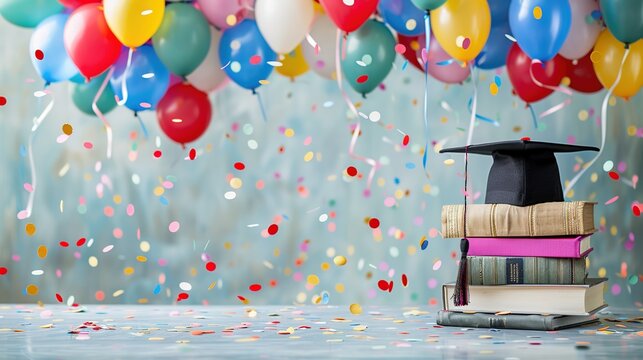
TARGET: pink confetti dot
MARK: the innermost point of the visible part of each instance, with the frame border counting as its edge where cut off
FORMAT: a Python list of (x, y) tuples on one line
[(389, 201), (130, 210), (432, 283), (466, 43), (88, 145), (118, 233), (255, 59), (437, 265), (28, 187), (108, 211), (616, 289), (332, 227), (400, 49), (298, 276), (174, 226)]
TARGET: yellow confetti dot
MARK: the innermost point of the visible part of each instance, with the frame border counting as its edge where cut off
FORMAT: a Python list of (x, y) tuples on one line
[(117, 199), (309, 156), (118, 293), (355, 309), (227, 245), (339, 260), (411, 24), (316, 299), (32, 289), (67, 129), (141, 258), (594, 177), (426, 188), (612, 101), (312, 279), (399, 194), (30, 229), (595, 56), (613, 230), (381, 182), (42, 251), (144, 246), (231, 19), (143, 301), (301, 297), (264, 82), (236, 183), (325, 266), (538, 12), (339, 287), (289, 132), (128, 271), (631, 130), (158, 191), (444, 119), (583, 115), (449, 162), (602, 272), (92, 261), (276, 252), (493, 88), (565, 81), (411, 250)]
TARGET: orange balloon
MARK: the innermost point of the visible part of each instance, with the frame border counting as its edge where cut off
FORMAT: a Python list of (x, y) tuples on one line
[(462, 27), (607, 56)]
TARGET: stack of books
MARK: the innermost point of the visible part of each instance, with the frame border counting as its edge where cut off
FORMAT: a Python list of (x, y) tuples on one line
[(527, 248)]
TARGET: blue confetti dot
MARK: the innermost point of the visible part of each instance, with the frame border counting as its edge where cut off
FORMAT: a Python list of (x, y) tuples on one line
[(164, 200), (497, 80), (424, 245), (596, 14), (405, 64), (410, 165), (396, 181), (157, 289)]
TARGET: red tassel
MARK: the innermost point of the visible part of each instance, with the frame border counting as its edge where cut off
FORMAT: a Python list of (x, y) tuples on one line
[(461, 291)]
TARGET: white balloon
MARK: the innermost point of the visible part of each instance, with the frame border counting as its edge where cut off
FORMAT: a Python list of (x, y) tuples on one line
[(324, 32), (209, 76), (284, 23), (582, 34)]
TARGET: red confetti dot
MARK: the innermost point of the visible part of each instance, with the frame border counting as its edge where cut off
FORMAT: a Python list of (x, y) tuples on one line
[(390, 286), (39, 54), (157, 154), (239, 166), (351, 171), (3, 101), (406, 140), (636, 210), (383, 285), (241, 298), (80, 242), (272, 229), (526, 138), (374, 223), (273, 283), (255, 59), (192, 154), (405, 280), (614, 175), (210, 266), (59, 298), (362, 79), (182, 296), (3, 270), (64, 243), (255, 287)]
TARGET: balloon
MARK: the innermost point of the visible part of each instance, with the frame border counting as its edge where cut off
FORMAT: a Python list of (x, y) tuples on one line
[(494, 52), (184, 113), (462, 27), (72, 4), (624, 18), (56, 65), (549, 73), (369, 56), (284, 23), (209, 76), (540, 26), (402, 16), (581, 75), (183, 38), (452, 73), (134, 22), (89, 42), (322, 59), (83, 96), (499, 11), (146, 79), (584, 29), (413, 50), (349, 17), (428, 4), (607, 56), (223, 14), (293, 64), (28, 13), (246, 54)]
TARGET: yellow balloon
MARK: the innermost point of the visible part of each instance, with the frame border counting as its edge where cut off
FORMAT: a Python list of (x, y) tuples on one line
[(293, 64), (606, 58), (462, 27), (319, 9), (134, 22)]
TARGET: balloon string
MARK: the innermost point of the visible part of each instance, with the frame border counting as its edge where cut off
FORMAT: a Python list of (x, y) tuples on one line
[(472, 121), (555, 108), (482, 117), (261, 107), (32, 164), (122, 101), (108, 127), (533, 115), (561, 89), (140, 121), (351, 149), (427, 29), (603, 123)]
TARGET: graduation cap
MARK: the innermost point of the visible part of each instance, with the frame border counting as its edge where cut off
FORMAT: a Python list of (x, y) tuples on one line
[(524, 172)]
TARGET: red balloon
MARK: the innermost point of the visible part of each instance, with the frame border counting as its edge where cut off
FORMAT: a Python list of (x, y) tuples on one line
[(549, 73), (582, 75), (72, 4), (89, 42), (184, 113), (413, 49), (349, 17)]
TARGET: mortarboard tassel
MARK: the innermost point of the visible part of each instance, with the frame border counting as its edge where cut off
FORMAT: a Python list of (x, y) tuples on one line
[(461, 291)]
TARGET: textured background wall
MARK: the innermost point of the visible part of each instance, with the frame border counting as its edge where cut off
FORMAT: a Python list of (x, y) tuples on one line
[(278, 186)]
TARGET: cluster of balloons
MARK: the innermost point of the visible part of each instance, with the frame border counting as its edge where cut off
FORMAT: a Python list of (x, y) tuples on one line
[(166, 56)]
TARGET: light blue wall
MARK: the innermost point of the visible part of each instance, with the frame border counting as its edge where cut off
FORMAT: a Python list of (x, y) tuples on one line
[(197, 198)]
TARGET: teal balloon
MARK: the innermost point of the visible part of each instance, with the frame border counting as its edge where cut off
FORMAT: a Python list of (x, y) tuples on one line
[(83, 96), (370, 53), (28, 13), (427, 5), (624, 18), (183, 39)]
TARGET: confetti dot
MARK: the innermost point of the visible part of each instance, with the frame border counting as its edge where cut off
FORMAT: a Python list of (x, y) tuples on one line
[(405, 140), (210, 266), (312, 279), (400, 49), (92, 261), (231, 20), (39, 54), (493, 89), (449, 162), (235, 67), (616, 289), (351, 171), (437, 264), (236, 183), (466, 42), (374, 116), (239, 166), (405, 280), (273, 229), (81, 242), (374, 223), (636, 210), (255, 59), (192, 154), (158, 154), (614, 175), (411, 24), (230, 195), (42, 251), (174, 226), (185, 286), (339, 260), (309, 156), (128, 271), (3, 270), (583, 115), (59, 298), (255, 287), (67, 129), (355, 309), (608, 165), (32, 289), (3, 101), (538, 12), (362, 79), (182, 296), (30, 229)]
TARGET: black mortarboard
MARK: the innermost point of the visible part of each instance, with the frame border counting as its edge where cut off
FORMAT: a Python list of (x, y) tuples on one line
[(524, 172)]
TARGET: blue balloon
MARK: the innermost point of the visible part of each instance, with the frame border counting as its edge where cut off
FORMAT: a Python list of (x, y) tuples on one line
[(56, 65), (402, 16), (540, 37), (494, 53), (245, 54), (499, 11), (147, 78)]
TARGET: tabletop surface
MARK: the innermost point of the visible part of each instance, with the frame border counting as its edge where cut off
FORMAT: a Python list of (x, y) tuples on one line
[(310, 332)]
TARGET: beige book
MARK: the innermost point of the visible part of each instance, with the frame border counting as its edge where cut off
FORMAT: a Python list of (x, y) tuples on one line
[(503, 220)]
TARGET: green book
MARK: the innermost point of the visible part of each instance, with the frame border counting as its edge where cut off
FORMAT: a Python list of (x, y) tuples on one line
[(492, 270)]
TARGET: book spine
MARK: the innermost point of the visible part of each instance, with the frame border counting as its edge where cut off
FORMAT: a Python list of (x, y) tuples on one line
[(527, 247), (482, 320), (492, 270)]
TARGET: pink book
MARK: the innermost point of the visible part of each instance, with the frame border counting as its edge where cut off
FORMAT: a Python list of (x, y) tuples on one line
[(559, 247)]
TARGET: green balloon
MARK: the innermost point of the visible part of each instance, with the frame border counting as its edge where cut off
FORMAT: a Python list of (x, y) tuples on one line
[(83, 96), (624, 19), (370, 52), (28, 13), (183, 40), (428, 4)]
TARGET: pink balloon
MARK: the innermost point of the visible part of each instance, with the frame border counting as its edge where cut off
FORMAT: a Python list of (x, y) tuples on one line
[(224, 14), (584, 30), (452, 73)]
